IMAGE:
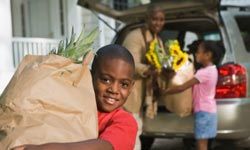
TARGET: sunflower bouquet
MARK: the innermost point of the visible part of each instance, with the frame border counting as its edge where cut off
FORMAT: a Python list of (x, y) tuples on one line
[(156, 55), (174, 69), (173, 58), (177, 58)]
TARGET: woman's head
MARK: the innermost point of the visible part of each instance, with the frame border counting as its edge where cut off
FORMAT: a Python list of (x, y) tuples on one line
[(155, 18), (209, 52), (112, 72)]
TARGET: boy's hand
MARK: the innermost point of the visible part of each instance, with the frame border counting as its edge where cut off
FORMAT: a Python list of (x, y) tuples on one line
[(19, 148), (27, 147)]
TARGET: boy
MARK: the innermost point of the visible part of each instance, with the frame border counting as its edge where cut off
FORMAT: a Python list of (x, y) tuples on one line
[(112, 73)]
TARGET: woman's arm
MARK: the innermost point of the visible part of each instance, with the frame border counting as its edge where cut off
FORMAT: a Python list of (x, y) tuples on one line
[(181, 88), (95, 144), (136, 45)]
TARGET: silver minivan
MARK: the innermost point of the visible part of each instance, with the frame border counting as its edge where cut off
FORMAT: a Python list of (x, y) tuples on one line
[(227, 21)]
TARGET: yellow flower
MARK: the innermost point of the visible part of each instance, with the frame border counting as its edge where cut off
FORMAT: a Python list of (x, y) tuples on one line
[(152, 55), (180, 61), (175, 49), (149, 58), (152, 45)]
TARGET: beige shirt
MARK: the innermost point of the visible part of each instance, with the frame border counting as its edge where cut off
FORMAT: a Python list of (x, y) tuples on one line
[(135, 43)]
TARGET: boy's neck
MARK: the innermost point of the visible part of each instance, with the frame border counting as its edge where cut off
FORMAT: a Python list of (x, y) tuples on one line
[(100, 111)]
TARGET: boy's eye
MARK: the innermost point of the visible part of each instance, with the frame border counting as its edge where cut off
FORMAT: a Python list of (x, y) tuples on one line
[(125, 85), (105, 80)]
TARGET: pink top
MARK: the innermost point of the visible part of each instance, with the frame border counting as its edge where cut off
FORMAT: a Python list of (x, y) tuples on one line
[(204, 92)]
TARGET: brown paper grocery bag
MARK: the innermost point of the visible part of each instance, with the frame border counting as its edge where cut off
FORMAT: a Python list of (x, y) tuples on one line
[(180, 103), (49, 99)]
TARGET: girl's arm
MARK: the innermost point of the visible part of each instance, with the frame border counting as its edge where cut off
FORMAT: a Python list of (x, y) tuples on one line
[(95, 144), (181, 88)]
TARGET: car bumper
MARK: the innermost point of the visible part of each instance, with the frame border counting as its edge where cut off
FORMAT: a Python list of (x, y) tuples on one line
[(233, 122)]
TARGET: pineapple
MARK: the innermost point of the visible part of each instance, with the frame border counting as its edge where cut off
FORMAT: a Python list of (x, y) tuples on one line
[(76, 49)]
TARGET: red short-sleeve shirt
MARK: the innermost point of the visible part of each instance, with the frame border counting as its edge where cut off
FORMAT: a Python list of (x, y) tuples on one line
[(119, 128)]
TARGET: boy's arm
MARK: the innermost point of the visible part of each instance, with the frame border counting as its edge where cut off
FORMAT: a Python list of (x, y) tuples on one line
[(95, 144), (120, 134), (181, 88)]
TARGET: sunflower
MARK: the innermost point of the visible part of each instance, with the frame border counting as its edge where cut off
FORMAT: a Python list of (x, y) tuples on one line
[(153, 55), (179, 61), (174, 48)]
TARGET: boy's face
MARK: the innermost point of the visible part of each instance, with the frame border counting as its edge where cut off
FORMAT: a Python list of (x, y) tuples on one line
[(202, 56), (113, 81)]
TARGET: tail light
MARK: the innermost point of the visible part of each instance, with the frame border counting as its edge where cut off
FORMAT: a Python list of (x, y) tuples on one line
[(231, 81)]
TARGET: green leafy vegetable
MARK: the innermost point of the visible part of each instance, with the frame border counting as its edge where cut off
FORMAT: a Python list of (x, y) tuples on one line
[(76, 49)]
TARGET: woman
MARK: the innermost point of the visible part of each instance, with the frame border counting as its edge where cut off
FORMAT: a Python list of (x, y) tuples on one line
[(137, 42)]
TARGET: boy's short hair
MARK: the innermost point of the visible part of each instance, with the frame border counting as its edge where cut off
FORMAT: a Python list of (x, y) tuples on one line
[(110, 52)]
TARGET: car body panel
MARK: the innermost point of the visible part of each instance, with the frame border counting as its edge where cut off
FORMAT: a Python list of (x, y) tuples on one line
[(173, 7), (235, 3), (234, 41), (230, 125)]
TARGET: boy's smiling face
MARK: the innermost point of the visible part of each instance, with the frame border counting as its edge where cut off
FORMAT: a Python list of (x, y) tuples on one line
[(113, 81)]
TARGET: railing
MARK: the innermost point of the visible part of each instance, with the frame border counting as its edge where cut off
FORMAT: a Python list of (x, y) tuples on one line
[(33, 46)]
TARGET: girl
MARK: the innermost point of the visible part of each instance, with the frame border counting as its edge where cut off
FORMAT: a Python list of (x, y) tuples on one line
[(204, 84)]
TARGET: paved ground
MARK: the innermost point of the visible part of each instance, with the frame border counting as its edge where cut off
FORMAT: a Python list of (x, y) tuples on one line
[(176, 144), (167, 144)]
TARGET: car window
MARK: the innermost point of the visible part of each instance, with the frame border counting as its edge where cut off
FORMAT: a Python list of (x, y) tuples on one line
[(185, 37), (121, 4), (169, 35), (189, 38), (244, 24), (214, 36)]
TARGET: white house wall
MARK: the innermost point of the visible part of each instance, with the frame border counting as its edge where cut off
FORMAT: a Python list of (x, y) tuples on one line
[(6, 61), (106, 34), (17, 18), (74, 18)]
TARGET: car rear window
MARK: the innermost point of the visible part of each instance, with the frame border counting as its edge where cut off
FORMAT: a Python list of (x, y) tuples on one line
[(244, 24), (214, 36)]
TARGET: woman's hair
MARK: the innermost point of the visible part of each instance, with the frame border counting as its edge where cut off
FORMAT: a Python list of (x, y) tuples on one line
[(112, 51), (154, 8), (216, 48)]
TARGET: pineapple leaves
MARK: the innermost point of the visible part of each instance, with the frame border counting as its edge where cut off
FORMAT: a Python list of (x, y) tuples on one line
[(77, 49)]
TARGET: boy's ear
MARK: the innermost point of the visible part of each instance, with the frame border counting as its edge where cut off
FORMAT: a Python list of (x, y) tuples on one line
[(132, 86), (133, 83)]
